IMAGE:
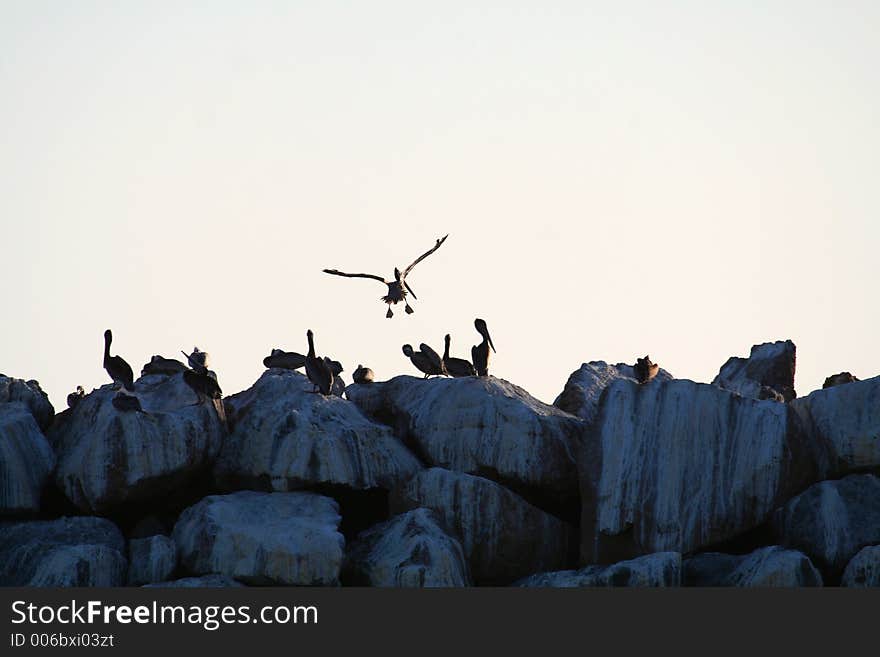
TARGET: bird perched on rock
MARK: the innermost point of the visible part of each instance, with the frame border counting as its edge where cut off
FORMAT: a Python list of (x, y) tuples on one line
[(116, 367), (397, 288), (126, 403), (456, 367), (286, 360), (770, 393), (480, 352), (645, 370), (317, 369), (75, 398), (423, 361), (160, 365), (362, 374), (198, 360), (338, 386), (203, 384), (839, 380)]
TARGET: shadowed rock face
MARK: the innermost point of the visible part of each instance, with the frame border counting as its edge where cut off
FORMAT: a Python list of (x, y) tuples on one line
[(503, 536), (108, 458), (771, 364), (772, 566), (31, 395), (80, 551), (483, 426), (846, 420), (585, 386), (662, 569), (151, 559), (678, 465), (285, 438), (263, 538), (864, 569), (410, 550), (206, 581), (831, 521), (26, 460)]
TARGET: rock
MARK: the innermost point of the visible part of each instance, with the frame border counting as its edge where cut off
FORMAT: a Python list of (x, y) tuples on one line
[(263, 538), (483, 426), (107, 457), (286, 437), (662, 569), (26, 460), (78, 551), (863, 570), (846, 420), (585, 386), (832, 520), (410, 550), (31, 395), (771, 364), (839, 380), (676, 465), (503, 536), (772, 566), (206, 581), (152, 559)]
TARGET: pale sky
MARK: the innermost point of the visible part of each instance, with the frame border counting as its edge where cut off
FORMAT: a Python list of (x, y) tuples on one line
[(683, 179)]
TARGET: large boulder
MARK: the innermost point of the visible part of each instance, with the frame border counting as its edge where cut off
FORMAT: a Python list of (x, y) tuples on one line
[(769, 367), (863, 570), (263, 538), (285, 437), (662, 569), (410, 550), (832, 520), (26, 460), (109, 457), (78, 551), (585, 386), (503, 536), (483, 426), (676, 466), (772, 566), (151, 559), (846, 420), (31, 395)]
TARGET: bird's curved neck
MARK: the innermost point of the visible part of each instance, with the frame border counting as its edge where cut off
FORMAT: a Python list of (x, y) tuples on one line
[(311, 345), (107, 340), (446, 349)]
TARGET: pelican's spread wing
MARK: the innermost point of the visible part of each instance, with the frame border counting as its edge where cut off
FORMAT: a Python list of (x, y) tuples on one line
[(336, 272), (424, 255), (432, 355)]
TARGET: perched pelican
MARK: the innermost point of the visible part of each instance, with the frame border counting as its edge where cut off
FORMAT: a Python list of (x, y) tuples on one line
[(362, 374), (75, 398), (124, 403), (422, 361), (839, 379), (398, 288), (317, 369), (645, 370), (335, 366), (160, 365), (456, 366), (434, 358), (204, 385), (480, 352), (116, 367), (198, 360), (287, 360)]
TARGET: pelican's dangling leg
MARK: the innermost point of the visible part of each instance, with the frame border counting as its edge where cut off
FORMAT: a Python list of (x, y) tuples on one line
[(408, 309), (389, 314)]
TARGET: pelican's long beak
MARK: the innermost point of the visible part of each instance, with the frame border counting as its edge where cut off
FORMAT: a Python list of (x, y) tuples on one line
[(488, 337), (410, 290)]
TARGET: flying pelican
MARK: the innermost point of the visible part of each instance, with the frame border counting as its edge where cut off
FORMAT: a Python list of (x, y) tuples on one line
[(363, 374), (116, 367), (317, 370), (288, 360), (645, 370), (480, 352), (456, 366), (75, 398), (398, 288), (422, 361)]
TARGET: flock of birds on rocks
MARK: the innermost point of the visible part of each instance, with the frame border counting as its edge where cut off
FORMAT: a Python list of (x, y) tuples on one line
[(322, 372)]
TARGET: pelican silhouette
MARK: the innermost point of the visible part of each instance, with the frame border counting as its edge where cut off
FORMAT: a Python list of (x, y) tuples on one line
[(423, 362), (645, 370), (288, 360), (161, 365), (398, 288), (480, 352), (75, 398), (116, 367), (363, 374), (456, 366), (198, 360), (204, 385), (317, 369)]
